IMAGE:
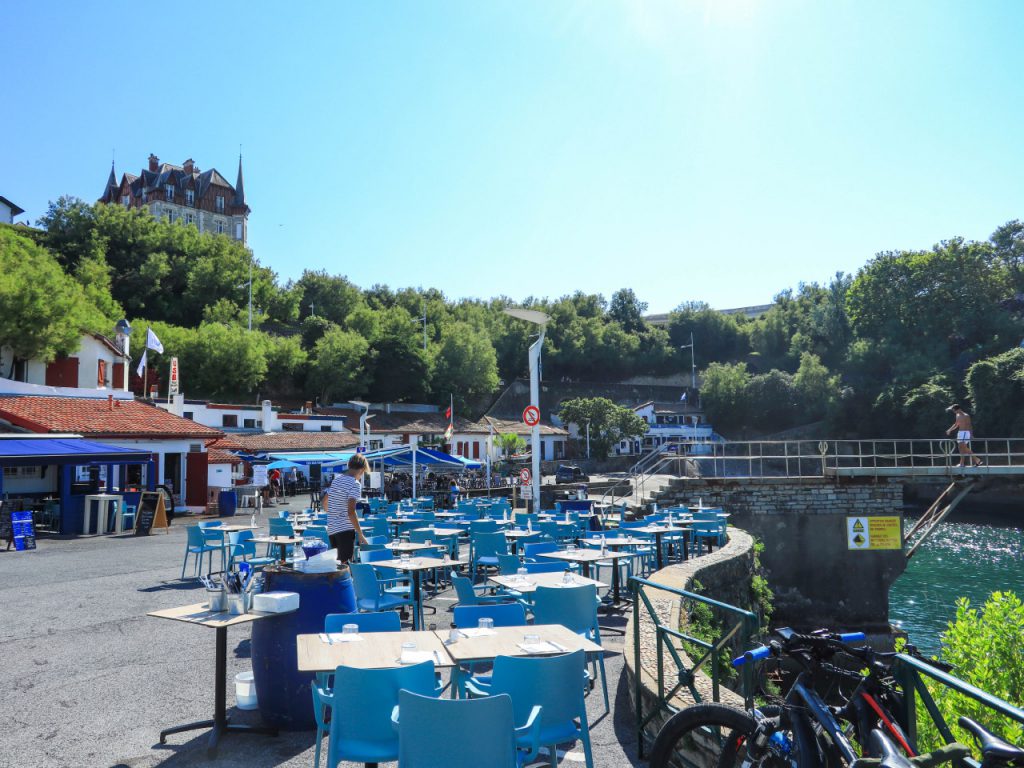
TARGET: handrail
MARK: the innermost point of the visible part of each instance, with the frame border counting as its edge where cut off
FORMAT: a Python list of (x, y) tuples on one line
[(908, 670), (746, 626), (876, 456)]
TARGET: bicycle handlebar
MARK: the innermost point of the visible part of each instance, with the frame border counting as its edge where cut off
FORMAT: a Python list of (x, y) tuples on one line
[(837, 642)]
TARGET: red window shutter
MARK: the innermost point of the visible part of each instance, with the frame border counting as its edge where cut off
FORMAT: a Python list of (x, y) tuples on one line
[(118, 380), (101, 373), (476, 450)]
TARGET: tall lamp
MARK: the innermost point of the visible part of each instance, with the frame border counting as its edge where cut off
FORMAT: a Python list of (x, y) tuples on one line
[(541, 320)]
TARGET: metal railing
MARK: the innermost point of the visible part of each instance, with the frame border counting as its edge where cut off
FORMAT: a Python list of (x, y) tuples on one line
[(818, 458), (738, 627), (908, 672)]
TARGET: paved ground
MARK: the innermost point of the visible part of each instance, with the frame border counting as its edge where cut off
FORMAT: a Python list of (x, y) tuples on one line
[(89, 680)]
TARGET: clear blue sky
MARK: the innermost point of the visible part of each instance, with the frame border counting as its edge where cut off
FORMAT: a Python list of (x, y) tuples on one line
[(718, 150)]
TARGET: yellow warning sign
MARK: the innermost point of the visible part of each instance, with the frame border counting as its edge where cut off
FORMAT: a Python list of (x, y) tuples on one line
[(874, 533)]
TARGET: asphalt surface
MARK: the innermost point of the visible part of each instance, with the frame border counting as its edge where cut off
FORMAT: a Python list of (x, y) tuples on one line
[(90, 680)]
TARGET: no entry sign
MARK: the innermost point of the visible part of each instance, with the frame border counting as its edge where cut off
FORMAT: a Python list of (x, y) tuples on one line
[(524, 476), (531, 415)]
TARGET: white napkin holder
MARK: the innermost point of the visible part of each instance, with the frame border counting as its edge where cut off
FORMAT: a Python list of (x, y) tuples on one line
[(275, 602)]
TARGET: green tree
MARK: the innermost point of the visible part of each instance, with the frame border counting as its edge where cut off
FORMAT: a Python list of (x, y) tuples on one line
[(286, 362), (627, 310), (510, 444), (771, 400), (464, 365), (329, 296), (44, 310), (996, 388), (401, 370), (1008, 244), (718, 336), (609, 423), (338, 370), (816, 389), (724, 395), (924, 407), (224, 360)]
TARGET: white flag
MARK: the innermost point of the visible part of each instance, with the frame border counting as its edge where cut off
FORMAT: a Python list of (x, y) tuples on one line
[(152, 342), (142, 364)]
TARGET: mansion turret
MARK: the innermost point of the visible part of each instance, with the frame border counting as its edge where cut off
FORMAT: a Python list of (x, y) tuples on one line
[(184, 194)]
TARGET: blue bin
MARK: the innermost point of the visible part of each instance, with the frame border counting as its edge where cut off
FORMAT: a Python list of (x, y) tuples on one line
[(281, 690), (227, 503)]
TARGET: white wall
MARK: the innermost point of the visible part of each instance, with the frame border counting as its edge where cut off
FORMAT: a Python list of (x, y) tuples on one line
[(6, 213), (89, 353), (219, 476), (203, 414)]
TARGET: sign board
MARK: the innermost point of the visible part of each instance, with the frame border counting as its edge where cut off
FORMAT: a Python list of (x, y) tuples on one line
[(375, 480), (873, 533), (531, 415), (175, 383), (526, 492), (151, 513), (259, 475), (6, 526), (23, 530), (524, 476)]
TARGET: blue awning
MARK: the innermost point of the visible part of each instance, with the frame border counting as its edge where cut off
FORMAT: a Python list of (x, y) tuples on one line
[(66, 450), (305, 459)]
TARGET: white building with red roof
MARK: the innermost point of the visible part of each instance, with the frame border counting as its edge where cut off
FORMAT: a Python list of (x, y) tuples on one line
[(178, 445)]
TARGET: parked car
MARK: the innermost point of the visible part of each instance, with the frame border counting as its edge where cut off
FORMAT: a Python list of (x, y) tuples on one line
[(570, 473)]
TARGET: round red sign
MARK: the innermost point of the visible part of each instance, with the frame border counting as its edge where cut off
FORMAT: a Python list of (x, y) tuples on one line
[(531, 415)]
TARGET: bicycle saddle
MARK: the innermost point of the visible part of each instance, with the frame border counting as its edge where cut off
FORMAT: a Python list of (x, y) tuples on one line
[(887, 752), (991, 745)]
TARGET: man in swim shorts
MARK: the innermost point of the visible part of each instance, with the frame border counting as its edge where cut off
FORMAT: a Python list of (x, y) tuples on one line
[(963, 427)]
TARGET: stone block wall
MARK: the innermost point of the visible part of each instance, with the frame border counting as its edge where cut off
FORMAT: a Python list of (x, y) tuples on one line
[(817, 580)]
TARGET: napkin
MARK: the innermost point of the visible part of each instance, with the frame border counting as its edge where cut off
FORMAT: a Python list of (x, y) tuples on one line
[(340, 637), (477, 632), (544, 646), (417, 657)]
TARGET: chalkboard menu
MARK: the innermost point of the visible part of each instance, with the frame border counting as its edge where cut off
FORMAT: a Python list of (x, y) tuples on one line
[(150, 512), (24, 531)]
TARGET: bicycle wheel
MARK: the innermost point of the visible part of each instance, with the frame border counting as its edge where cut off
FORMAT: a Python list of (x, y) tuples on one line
[(701, 735)]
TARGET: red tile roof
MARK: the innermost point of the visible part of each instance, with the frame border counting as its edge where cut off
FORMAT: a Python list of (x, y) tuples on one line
[(282, 442), (99, 418), (219, 456)]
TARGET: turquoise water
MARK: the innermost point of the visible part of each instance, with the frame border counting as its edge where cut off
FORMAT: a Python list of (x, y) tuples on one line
[(965, 557)]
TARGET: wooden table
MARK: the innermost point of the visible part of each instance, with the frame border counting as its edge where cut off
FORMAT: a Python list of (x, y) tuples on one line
[(408, 546), (444, 532), (535, 580), (377, 650), (416, 566), (220, 621), (282, 542), (517, 535), (505, 642), (587, 556), (104, 501), (235, 528)]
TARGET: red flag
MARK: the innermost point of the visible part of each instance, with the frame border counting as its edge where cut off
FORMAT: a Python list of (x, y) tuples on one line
[(448, 412)]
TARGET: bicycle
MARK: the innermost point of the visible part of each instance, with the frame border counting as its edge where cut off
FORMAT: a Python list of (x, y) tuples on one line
[(803, 730)]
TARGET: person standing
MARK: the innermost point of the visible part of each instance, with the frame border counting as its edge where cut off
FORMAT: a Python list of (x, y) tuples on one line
[(964, 429), (340, 502)]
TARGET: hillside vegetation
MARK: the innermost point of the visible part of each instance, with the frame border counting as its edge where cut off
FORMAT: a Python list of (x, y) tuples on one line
[(879, 353)]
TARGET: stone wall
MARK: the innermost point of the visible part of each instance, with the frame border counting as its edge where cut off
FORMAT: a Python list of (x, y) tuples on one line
[(817, 580), (725, 576)]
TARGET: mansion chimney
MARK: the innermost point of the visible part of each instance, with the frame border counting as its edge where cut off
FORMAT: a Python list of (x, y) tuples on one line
[(154, 163), (188, 165)]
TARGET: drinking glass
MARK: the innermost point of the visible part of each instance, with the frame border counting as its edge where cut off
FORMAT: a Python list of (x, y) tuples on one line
[(485, 623), (350, 629), (531, 639)]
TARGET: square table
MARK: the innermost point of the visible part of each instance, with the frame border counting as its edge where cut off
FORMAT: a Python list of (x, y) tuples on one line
[(416, 566), (235, 528), (660, 530), (377, 650), (199, 614), (518, 535), (587, 556), (505, 642), (282, 542), (104, 502), (444, 532), (535, 580), (407, 546)]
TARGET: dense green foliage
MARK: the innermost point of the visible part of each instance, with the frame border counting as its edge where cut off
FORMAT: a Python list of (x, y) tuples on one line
[(878, 353), (984, 648), (609, 423)]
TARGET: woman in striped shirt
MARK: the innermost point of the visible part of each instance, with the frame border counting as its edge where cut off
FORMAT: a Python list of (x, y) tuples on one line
[(340, 503)]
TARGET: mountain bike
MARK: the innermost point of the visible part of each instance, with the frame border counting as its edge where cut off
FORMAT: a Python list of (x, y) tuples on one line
[(801, 729)]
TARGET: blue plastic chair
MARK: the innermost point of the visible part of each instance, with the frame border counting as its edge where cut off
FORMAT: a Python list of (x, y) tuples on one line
[(377, 526), (241, 546), (384, 621), (462, 733), (508, 565), (551, 682), (486, 548), (210, 524), (467, 593), (198, 544), (575, 608), (371, 594), (362, 703), (531, 550), (318, 532), (547, 566)]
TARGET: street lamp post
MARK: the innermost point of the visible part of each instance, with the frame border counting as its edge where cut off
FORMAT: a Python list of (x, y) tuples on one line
[(588, 438), (363, 417), (693, 362), (539, 319)]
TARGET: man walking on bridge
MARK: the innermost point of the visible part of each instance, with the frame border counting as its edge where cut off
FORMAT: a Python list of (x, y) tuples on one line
[(963, 428)]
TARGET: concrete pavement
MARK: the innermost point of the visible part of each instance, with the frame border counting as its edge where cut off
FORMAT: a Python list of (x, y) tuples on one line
[(90, 680)]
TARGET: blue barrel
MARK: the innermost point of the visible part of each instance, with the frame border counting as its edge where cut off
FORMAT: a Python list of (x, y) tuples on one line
[(282, 691), (227, 503)]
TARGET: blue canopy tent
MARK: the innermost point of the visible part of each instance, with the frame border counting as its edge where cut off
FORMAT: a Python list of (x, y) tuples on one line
[(68, 453), (283, 464)]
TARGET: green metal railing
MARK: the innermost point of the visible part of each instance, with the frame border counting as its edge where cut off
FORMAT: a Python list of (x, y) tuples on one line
[(908, 672), (743, 628)]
